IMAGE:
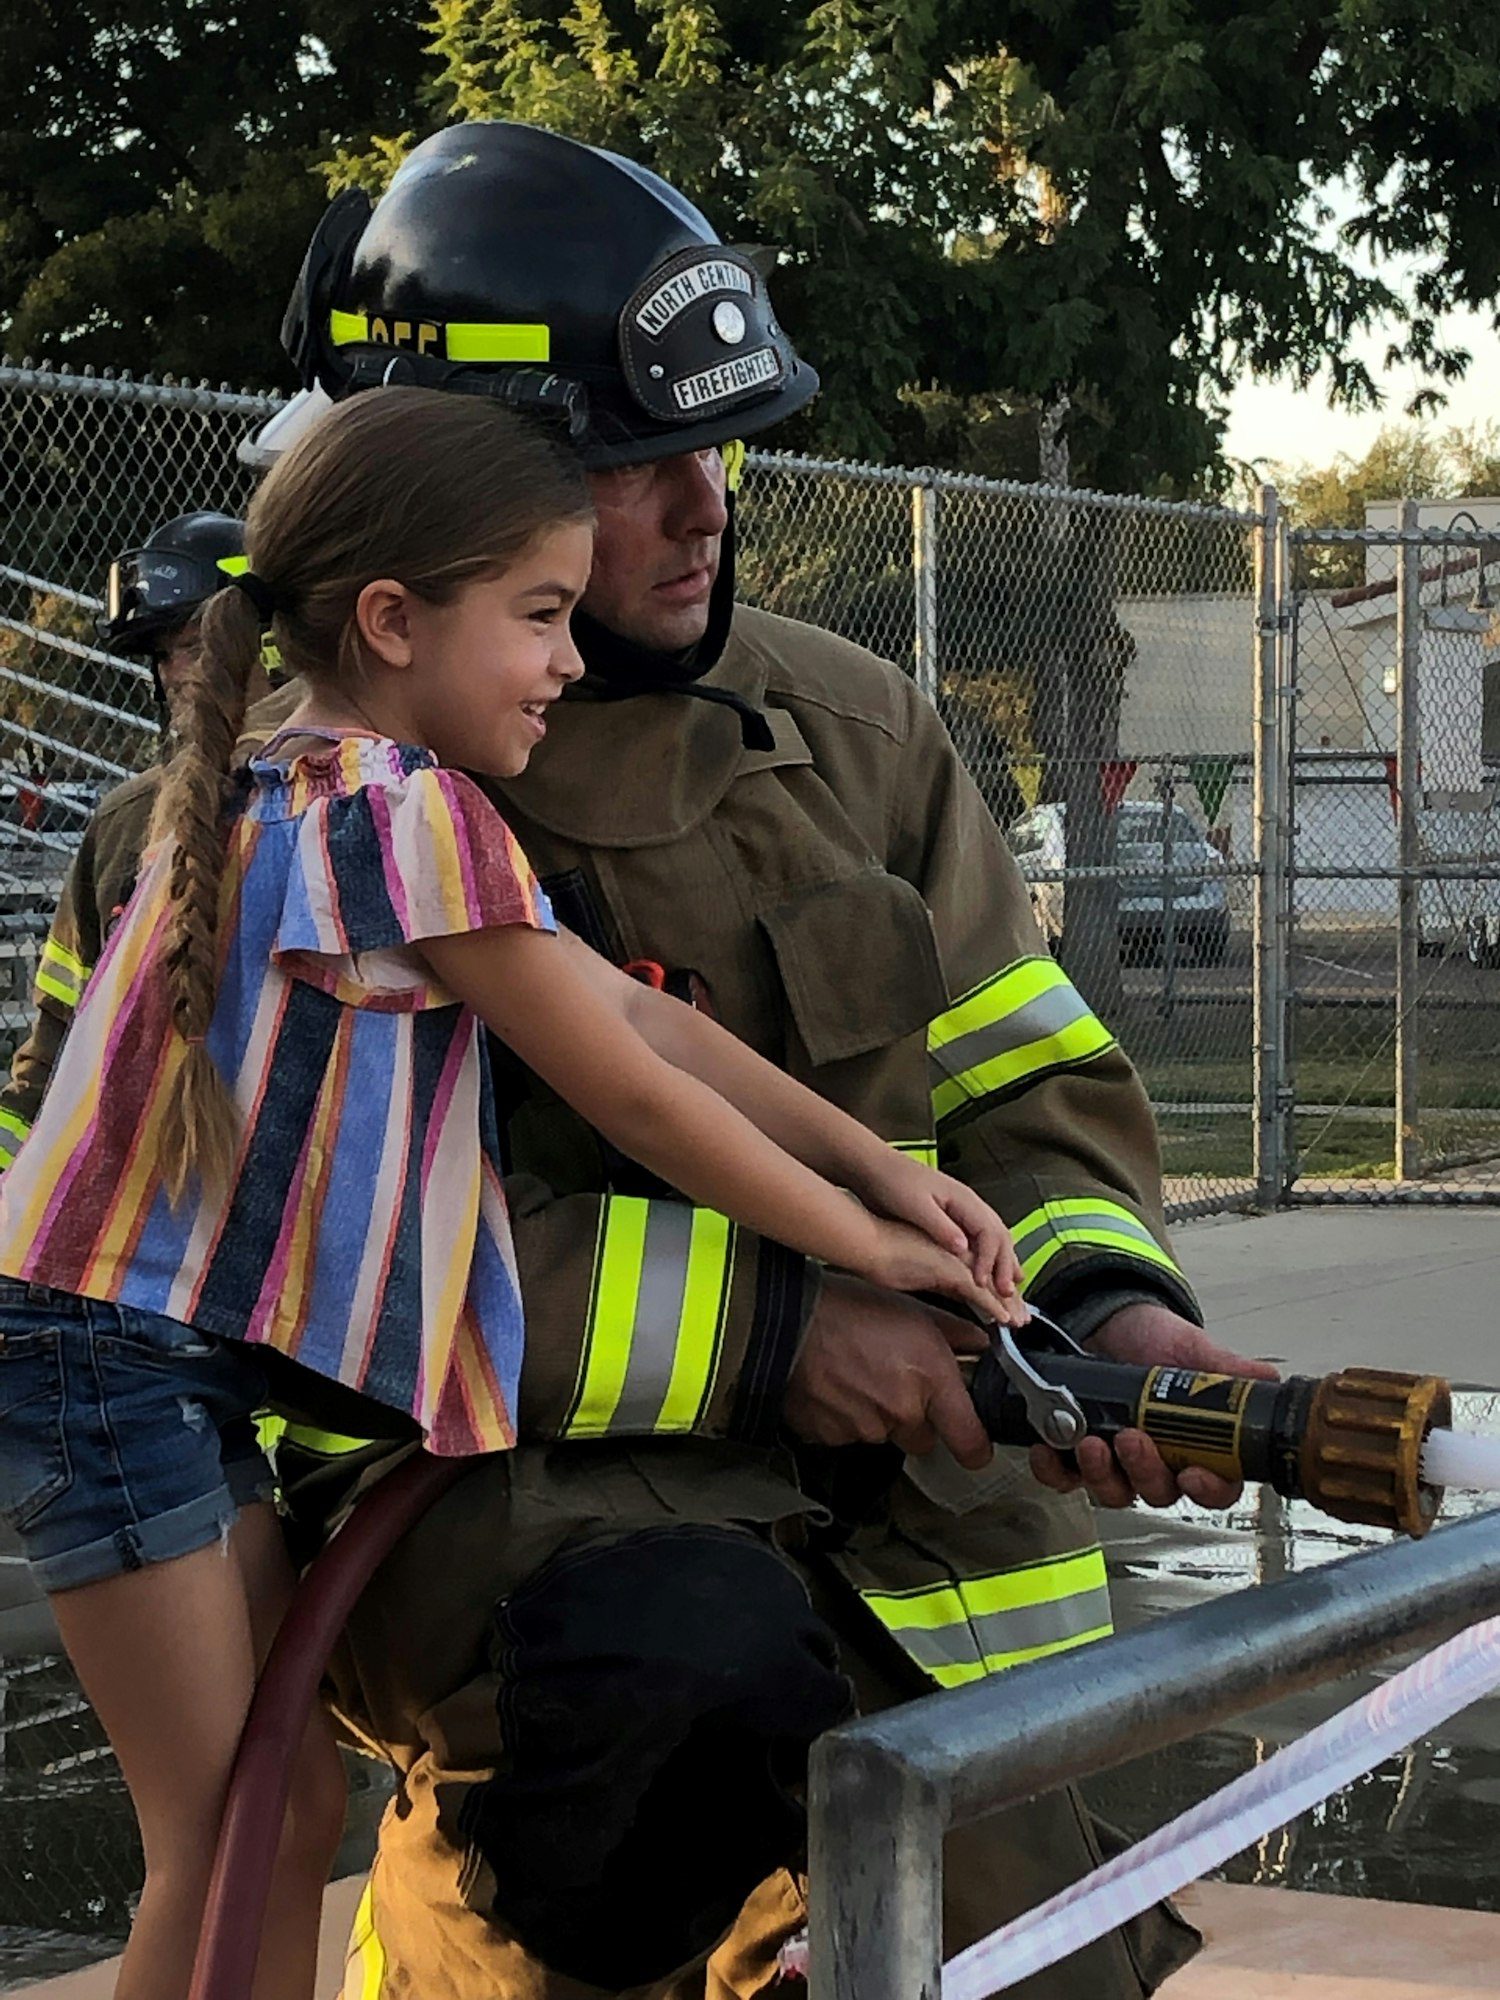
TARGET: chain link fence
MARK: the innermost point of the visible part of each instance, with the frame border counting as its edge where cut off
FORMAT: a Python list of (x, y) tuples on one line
[(1393, 969), (1093, 659), (88, 466), (1090, 654), (71, 1853)]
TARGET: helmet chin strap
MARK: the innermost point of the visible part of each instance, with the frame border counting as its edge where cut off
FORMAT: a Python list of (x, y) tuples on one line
[(618, 668)]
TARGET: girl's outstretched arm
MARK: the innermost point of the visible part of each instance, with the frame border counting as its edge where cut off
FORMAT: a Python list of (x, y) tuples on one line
[(572, 1018)]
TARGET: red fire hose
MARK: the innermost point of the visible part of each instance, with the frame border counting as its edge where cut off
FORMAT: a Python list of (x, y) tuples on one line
[(256, 1804)]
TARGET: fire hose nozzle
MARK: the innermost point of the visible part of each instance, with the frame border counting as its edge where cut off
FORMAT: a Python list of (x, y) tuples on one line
[(1350, 1442), (1362, 1447)]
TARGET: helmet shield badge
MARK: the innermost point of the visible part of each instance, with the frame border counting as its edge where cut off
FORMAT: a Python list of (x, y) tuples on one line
[(699, 338)]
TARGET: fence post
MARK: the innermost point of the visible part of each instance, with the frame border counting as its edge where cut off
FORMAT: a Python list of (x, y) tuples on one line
[(875, 1877), (1270, 937), (924, 568), (1408, 839)]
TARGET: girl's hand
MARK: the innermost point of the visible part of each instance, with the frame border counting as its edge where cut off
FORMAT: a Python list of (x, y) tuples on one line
[(904, 1258), (953, 1217)]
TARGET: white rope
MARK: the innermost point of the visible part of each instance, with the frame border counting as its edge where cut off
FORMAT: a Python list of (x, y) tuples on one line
[(1329, 1757), (1333, 1755)]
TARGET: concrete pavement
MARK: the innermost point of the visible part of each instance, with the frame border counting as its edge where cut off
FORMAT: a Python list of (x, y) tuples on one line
[(1319, 1288)]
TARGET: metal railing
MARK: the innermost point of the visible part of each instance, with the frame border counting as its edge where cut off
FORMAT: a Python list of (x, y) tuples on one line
[(884, 1791)]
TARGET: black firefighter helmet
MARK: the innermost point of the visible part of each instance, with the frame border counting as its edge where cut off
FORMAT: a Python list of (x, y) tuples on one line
[(152, 590), (508, 261)]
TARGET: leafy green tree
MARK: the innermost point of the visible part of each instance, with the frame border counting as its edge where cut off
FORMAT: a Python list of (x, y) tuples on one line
[(1405, 462), (159, 168), (1107, 203)]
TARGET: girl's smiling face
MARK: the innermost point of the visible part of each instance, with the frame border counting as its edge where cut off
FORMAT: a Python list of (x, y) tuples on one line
[(473, 679)]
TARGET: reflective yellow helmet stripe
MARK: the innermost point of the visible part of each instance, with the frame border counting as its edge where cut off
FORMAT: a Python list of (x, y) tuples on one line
[(455, 340), (970, 1627), (1088, 1223), (364, 1965), (13, 1131), (656, 1318), (233, 565), (1019, 1025)]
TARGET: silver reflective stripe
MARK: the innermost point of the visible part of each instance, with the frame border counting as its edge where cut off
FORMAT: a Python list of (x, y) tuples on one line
[(656, 1317), (993, 1642), (1035, 1021), (1085, 1224), (658, 1314)]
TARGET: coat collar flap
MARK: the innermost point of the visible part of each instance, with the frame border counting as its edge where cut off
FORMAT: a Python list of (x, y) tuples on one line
[(644, 771)]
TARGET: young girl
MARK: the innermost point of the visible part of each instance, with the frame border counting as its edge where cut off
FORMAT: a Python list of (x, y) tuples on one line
[(271, 1129)]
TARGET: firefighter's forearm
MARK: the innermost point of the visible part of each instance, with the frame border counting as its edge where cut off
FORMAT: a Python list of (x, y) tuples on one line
[(651, 1318)]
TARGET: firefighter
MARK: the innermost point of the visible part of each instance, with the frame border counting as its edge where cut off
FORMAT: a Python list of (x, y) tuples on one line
[(749, 1493), (746, 1484)]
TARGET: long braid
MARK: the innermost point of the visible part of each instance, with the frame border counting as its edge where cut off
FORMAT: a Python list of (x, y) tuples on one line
[(201, 1123)]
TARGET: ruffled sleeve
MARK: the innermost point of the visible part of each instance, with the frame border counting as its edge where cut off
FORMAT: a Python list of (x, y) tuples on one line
[(375, 871)]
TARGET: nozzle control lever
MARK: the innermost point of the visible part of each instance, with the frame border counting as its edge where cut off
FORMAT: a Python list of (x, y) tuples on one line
[(1053, 1412)]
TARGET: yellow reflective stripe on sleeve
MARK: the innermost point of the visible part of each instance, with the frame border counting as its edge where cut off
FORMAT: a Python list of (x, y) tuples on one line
[(619, 1254), (13, 1132), (454, 340), (1023, 1023), (1086, 1224), (61, 973), (961, 1631), (922, 1150), (364, 1966), (656, 1318), (700, 1322)]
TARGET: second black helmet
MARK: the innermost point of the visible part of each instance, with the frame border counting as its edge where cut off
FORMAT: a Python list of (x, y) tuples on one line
[(151, 590)]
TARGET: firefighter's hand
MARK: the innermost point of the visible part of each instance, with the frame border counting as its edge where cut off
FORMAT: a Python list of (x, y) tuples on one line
[(1151, 1336), (877, 1368)]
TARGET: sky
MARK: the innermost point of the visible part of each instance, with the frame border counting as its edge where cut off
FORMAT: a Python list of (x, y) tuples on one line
[(1272, 420)]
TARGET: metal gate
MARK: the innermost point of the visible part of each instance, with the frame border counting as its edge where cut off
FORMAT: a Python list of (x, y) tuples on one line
[(1389, 969)]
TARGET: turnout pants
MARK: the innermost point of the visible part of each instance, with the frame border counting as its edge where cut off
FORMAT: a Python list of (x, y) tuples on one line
[(612, 1804)]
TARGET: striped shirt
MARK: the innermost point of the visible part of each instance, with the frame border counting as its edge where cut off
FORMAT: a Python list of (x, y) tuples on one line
[(363, 1231)]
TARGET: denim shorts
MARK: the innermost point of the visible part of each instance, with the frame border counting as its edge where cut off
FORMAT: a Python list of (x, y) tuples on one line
[(125, 1438)]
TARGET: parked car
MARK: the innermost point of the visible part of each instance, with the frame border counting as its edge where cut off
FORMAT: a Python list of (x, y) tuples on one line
[(1199, 907)]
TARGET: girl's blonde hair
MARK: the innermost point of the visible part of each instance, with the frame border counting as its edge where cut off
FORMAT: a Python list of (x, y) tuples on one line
[(432, 489)]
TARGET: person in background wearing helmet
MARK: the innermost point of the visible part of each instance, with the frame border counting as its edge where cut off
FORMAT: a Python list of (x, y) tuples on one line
[(153, 595), (152, 598)]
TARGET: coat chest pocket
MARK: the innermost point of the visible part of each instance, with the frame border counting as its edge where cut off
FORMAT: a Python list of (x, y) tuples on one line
[(859, 963)]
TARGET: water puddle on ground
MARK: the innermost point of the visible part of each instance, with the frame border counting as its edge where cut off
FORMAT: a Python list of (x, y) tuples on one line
[(1423, 1827)]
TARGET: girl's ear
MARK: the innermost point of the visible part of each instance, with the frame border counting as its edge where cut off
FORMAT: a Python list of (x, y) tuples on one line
[(383, 614)]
